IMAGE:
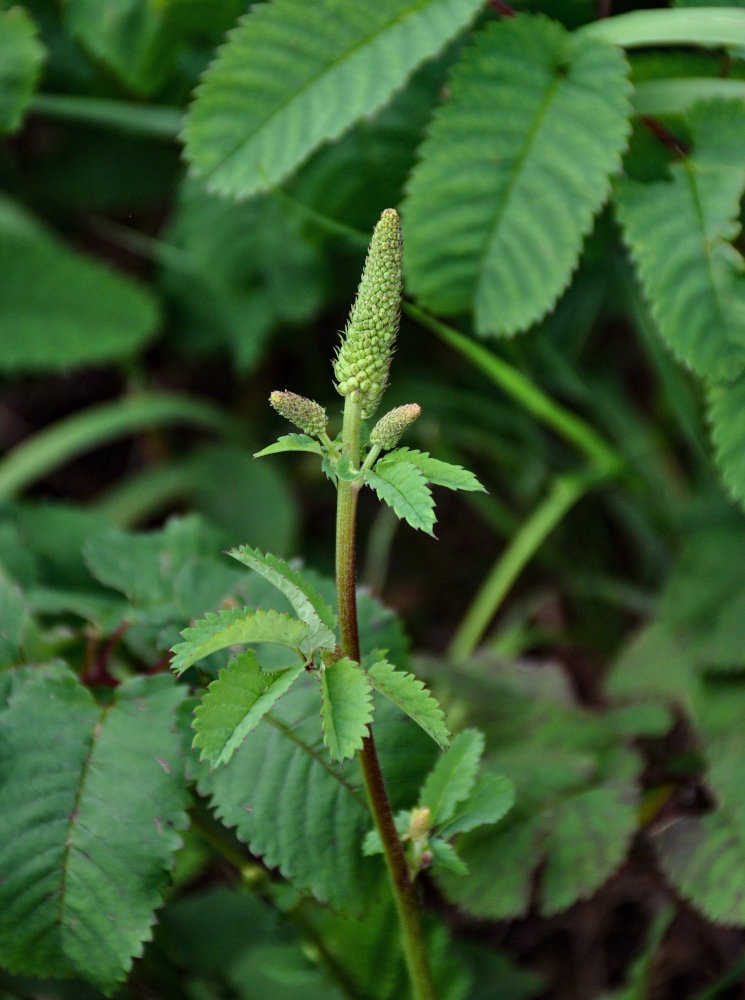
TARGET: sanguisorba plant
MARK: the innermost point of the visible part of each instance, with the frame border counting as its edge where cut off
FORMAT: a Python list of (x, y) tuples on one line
[(327, 645)]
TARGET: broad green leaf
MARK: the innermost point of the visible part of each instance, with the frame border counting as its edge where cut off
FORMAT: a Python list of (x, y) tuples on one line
[(293, 75), (726, 402), (404, 488), (297, 811), (236, 626), (235, 704), (681, 233), (439, 473), (308, 605), (445, 856), (488, 801), (516, 164), (52, 299), (92, 799), (409, 694), (346, 708), (21, 56), (453, 776), (291, 442)]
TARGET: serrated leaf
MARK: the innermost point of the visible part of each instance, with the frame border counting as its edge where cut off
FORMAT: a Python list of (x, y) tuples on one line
[(516, 164), (409, 694), (284, 798), (439, 473), (346, 708), (488, 801), (293, 75), (21, 56), (91, 801), (681, 233), (726, 403), (445, 856), (51, 298), (236, 626), (235, 704), (403, 487), (291, 442), (307, 603), (453, 776)]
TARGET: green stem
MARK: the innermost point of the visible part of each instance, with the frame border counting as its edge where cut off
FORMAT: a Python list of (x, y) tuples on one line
[(95, 426), (404, 893), (684, 26), (566, 491), (125, 116), (568, 425)]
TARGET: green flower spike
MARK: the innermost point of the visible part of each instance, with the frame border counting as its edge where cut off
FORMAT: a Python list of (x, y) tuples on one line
[(364, 355), (389, 429), (304, 413)]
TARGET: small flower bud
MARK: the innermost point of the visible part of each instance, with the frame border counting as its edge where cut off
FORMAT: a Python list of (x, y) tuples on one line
[(364, 355), (419, 823), (389, 429), (304, 413)]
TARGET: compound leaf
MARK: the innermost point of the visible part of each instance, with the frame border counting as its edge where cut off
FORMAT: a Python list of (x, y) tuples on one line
[(516, 164), (293, 75), (435, 471), (346, 708), (490, 799), (91, 801), (307, 603), (409, 694), (681, 233), (21, 56), (404, 488), (452, 778), (235, 626), (295, 809), (235, 703)]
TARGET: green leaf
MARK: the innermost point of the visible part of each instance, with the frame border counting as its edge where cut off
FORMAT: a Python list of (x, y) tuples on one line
[(346, 708), (726, 402), (291, 442), (489, 800), (681, 234), (445, 856), (297, 811), (51, 299), (403, 487), (307, 603), (439, 473), (293, 75), (21, 56), (409, 694), (453, 776), (235, 704), (91, 801), (235, 626), (516, 164)]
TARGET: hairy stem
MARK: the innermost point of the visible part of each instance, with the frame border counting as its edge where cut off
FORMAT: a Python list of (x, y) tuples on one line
[(403, 888)]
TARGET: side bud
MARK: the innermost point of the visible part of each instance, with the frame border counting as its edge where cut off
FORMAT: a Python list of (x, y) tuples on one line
[(390, 428), (364, 355), (304, 413)]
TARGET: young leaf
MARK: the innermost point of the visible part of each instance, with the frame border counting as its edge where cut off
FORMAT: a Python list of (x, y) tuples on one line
[(439, 473), (235, 703), (453, 776), (445, 856), (295, 809), (293, 75), (291, 442), (409, 694), (681, 233), (403, 487), (236, 626), (346, 708), (21, 56), (490, 799), (99, 795), (307, 603), (516, 164)]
